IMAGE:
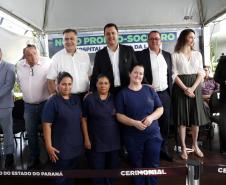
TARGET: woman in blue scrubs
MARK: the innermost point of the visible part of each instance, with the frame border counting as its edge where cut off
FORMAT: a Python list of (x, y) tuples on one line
[(138, 107), (62, 128), (101, 130)]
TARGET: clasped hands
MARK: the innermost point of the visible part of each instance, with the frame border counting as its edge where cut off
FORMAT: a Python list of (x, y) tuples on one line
[(143, 124), (189, 92)]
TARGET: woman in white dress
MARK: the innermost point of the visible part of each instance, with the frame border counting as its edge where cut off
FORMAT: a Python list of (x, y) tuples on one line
[(187, 100)]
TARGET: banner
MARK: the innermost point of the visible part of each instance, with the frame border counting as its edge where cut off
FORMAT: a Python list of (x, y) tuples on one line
[(164, 171), (93, 42)]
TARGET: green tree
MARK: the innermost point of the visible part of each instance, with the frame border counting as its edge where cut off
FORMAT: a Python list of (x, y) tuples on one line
[(213, 54)]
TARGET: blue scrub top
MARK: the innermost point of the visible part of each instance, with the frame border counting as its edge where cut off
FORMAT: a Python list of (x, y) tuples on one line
[(102, 125), (65, 116), (138, 105)]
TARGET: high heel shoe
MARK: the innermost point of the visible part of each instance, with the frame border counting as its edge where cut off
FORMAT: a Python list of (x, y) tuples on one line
[(198, 152)]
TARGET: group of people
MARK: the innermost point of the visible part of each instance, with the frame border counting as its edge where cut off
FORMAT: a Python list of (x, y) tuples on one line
[(128, 100)]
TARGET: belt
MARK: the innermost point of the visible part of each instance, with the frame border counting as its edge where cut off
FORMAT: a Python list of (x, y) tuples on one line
[(36, 103), (162, 91)]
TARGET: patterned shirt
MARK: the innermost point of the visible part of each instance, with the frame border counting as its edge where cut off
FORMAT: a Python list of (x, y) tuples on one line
[(209, 86)]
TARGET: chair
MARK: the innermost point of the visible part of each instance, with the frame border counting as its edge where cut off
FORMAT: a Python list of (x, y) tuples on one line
[(18, 122), (215, 106), (214, 114)]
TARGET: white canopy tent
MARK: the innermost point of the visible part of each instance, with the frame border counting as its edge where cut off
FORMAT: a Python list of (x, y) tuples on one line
[(11, 51), (53, 16), (50, 16)]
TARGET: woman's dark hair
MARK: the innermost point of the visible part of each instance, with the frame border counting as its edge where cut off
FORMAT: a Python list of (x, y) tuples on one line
[(62, 75), (135, 65), (102, 76), (181, 41)]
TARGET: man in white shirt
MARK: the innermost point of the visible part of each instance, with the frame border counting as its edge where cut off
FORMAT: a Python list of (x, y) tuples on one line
[(31, 76), (71, 60), (158, 73)]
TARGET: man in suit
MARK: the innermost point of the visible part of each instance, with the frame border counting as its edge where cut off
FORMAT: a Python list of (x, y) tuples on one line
[(113, 61), (220, 77), (158, 73), (7, 80)]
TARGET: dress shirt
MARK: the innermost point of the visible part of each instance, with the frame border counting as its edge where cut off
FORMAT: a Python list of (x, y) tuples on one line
[(114, 57), (159, 71), (78, 66), (32, 80), (182, 65)]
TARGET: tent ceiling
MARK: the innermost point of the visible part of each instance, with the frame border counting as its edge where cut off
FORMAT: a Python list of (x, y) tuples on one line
[(56, 15)]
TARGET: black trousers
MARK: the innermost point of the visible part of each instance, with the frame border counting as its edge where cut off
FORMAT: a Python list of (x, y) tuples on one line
[(222, 128), (164, 120)]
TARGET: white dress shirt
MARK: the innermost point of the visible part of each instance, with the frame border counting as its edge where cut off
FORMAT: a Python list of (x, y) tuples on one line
[(32, 81), (114, 57), (78, 66), (159, 71), (182, 65)]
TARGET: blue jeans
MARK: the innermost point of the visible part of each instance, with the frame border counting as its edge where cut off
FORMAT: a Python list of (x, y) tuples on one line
[(32, 117)]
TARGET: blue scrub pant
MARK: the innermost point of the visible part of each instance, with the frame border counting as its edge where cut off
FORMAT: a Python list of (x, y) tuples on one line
[(67, 164), (104, 160), (143, 152)]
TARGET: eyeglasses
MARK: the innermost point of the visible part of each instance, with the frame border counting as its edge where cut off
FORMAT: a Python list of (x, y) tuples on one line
[(31, 71)]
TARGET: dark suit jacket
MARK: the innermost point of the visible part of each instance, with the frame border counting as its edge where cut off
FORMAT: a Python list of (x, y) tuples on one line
[(144, 58), (220, 77), (102, 65)]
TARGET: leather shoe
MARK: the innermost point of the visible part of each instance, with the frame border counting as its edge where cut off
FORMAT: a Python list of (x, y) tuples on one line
[(166, 156), (9, 161), (33, 164)]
